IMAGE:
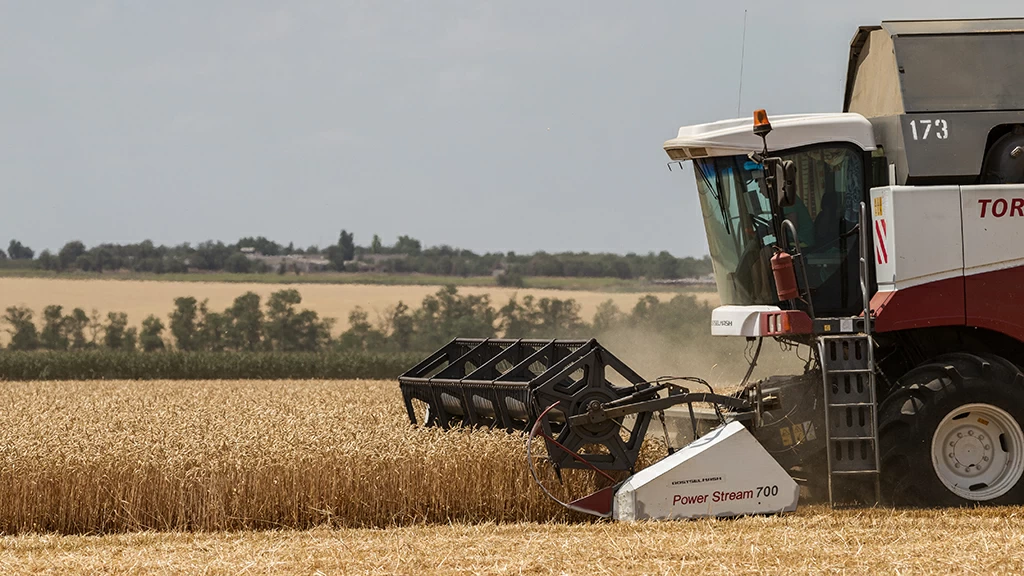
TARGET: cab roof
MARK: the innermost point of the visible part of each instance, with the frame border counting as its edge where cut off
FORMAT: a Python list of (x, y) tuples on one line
[(731, 137)]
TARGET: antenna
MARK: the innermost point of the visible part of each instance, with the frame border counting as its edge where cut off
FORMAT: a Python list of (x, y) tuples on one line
[(743, 52)]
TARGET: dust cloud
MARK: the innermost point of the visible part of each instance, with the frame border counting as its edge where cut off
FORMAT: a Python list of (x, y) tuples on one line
[(719, 360)]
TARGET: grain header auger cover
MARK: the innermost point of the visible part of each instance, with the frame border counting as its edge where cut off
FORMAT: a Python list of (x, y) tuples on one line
[(593, 413)]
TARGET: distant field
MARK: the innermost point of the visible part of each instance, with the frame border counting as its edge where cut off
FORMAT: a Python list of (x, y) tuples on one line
[(538, 282), (141, 298)]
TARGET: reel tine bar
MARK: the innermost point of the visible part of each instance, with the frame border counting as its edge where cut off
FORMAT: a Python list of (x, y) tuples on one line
[(481, 382)]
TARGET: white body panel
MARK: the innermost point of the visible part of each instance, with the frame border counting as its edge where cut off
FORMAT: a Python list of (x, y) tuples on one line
[(917, 235), (927, 233), (993, 227), (724, 473), (729, 137), (738, 320)]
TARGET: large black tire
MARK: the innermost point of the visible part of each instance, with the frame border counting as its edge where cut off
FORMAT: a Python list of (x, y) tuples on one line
[(910, 415)]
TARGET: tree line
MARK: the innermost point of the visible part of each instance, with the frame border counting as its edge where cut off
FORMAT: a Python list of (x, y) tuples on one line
[(280, 325), (245, 326), (447, 314), (406, 255)]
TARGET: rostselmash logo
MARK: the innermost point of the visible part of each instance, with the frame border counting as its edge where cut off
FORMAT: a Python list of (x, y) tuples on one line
[(999, 207), (699, 480), (721, 322)]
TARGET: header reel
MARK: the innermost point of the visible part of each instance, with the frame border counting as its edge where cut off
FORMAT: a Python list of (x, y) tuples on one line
[(514, 384)]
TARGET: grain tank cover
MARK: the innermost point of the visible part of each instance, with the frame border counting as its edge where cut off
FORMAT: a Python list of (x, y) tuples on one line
[(938, 92)]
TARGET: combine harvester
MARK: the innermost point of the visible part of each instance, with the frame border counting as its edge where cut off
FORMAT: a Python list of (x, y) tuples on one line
[(888, 238)]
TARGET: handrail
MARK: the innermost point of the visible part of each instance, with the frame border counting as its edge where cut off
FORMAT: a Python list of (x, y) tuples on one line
[(788, 225), (865, 244), (865, 231)]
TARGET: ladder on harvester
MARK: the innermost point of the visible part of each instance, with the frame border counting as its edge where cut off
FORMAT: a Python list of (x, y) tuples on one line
[(851, 419), (851, 403)]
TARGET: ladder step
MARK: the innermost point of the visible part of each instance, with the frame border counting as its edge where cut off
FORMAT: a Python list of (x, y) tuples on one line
[(844, 438), (844, 472), (850, 371), (850, 404)]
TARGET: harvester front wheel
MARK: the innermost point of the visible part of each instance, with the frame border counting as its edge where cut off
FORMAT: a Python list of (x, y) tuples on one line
[(950, 433)]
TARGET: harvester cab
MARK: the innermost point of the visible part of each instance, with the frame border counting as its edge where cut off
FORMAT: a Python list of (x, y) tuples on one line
[(886, 238)]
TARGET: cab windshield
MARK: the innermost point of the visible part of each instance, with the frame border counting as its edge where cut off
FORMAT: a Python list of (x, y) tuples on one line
[(739, 222)]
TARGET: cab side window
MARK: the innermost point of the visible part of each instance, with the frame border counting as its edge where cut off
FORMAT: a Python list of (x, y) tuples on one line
[(830, 188)]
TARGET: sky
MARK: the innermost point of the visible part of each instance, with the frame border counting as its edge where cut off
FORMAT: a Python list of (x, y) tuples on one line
[(513, 126)]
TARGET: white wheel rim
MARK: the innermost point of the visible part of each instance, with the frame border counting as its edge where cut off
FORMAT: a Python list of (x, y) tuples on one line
[(978, 452)]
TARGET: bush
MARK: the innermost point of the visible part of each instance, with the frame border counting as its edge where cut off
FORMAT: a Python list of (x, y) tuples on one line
[(151, 338), (238, 264), (116, 334), (24, 335), (510, 279)]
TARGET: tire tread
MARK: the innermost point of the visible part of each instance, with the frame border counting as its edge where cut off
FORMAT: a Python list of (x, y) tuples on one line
[(920, 399)]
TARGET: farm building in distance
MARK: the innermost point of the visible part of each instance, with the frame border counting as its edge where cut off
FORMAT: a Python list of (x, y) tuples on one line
[(298, 262)]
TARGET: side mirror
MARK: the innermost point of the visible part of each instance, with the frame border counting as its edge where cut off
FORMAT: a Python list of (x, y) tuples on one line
[(780, 176), (787, 189)]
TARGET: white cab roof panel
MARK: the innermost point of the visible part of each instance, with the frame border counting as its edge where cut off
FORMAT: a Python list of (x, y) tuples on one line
[(730, 137)]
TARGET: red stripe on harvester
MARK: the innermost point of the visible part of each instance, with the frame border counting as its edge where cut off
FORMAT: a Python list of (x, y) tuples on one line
[(880, 234)]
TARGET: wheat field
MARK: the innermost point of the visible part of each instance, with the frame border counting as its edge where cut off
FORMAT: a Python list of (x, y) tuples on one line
[(217, 477), (86, 457), (140, 298)]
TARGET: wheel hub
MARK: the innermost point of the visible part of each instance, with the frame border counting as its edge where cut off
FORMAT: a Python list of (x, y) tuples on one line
[(969, 450), (595, 432), (978, 451)]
